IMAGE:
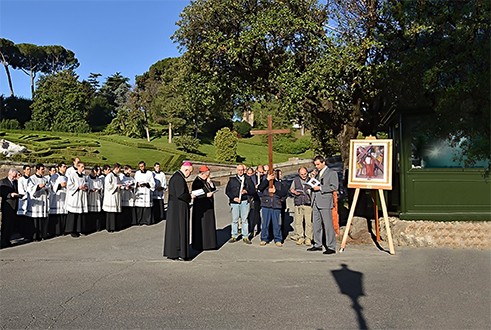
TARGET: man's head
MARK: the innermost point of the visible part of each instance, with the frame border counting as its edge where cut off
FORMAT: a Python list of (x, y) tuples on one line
[(141, 166), (116, 168), (106, 169), (302, 172), (187, 169), (250, 171), (240, 169), (127, 169), (75, 161), (52, 170), (80, 167), (12, 174), (26, 170), (62, 168), (319, 162), (156, 167), (39, 168), (260, 169)]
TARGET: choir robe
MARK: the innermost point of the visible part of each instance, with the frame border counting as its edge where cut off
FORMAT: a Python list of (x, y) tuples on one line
[(158, 196), (204, 235), (37, 208), (145, 185), (127, 200), (94, 198), (76, 203), (112, 202), (176, 242), (26, 225), (57, 210)]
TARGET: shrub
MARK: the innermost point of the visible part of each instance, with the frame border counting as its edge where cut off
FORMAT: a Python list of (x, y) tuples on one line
[(289, 145), (242, 128), (225, 145), (187, 143), (9, 124)]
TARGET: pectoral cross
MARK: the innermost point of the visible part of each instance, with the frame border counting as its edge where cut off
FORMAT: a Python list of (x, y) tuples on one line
[(270, 131)]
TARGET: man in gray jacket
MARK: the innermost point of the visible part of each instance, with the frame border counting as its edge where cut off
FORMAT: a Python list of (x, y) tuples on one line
[(322, 204)]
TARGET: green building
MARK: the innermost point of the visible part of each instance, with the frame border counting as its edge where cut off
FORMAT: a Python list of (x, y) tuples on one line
[(430, 178)]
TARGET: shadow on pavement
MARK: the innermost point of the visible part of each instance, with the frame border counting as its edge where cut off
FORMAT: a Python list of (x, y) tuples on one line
[(350, 283)]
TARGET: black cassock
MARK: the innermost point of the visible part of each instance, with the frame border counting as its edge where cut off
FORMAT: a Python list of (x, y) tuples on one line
[(176, 243), (204, 235)]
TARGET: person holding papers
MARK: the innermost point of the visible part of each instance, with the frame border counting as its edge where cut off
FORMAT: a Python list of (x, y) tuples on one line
[(176, 243), (322, 204), (204, 235)]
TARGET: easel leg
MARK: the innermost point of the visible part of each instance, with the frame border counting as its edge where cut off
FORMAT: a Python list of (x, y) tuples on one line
[(377, 222), (386, 219), (350, 219)]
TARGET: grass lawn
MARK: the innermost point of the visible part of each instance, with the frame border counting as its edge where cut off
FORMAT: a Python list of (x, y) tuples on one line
[(51, 147)]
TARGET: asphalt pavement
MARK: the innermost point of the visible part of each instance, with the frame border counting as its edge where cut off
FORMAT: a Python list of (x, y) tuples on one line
[(121, 281)]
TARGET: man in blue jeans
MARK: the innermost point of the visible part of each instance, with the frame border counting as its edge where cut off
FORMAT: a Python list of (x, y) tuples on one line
[(240, 191), (271, 205)]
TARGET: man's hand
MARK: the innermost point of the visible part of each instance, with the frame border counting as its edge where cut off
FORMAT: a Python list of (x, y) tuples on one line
[(209, 194), (293, 191), (237, 200), (272, 190), (316, 188)]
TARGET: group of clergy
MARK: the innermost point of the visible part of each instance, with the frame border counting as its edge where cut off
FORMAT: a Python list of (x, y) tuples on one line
[(68, 201)]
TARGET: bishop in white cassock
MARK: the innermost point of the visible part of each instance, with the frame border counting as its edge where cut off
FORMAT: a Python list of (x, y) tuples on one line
[(76, 201), (145, 185)]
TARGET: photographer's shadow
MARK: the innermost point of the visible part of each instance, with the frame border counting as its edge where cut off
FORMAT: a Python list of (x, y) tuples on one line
[(351, 284)]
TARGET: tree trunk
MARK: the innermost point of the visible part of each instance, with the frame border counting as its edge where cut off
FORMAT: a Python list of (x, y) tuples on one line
[(348, 132), (170, 133), (148, 133), (32, 75), (9, 78)]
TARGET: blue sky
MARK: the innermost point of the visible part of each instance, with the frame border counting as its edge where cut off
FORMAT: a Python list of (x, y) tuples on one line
[(126, 36)]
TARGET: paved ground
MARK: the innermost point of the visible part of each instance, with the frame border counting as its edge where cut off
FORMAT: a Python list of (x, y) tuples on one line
[(120, 280)]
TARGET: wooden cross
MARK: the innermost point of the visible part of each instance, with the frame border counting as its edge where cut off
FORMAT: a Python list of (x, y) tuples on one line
[(270, 131)]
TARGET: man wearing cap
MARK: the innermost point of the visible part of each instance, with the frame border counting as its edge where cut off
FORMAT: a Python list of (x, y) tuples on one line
[(176, 242)]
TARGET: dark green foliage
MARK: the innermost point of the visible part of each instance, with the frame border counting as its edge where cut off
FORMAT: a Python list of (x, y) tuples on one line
[(187, 143), (290, 145), (9, 124), (225, 145), (15, 108), (242, 128), (60, 104)]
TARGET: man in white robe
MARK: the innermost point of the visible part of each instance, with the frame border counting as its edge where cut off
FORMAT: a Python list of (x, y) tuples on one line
[(127, 197), (72, 169), (76, 201), (145, 185), (57, 197), (26, 225), (158, 193), (95, 219), (37, 209), (112, 198)]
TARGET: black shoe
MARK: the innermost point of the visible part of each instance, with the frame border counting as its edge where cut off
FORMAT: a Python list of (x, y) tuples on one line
[(75, 235), (233, 240), (313, 248), (329, 251)]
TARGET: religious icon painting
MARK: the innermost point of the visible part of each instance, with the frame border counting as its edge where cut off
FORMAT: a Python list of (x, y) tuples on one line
[(370, 164)]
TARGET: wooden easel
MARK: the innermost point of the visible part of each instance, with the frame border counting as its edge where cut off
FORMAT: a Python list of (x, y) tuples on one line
[(384, 211), (386, 220)]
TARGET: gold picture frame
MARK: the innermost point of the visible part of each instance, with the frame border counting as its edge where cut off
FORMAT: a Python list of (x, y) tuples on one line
[(370, 164)]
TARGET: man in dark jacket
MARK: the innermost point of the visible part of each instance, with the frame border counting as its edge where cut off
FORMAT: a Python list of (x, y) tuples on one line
[(10, 198), (271, 203), (239, 191)]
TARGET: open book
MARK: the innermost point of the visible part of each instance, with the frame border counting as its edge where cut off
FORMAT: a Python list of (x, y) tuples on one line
[(313, 182)]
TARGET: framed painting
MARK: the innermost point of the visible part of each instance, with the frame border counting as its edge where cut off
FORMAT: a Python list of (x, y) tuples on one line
[(370, 164)]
